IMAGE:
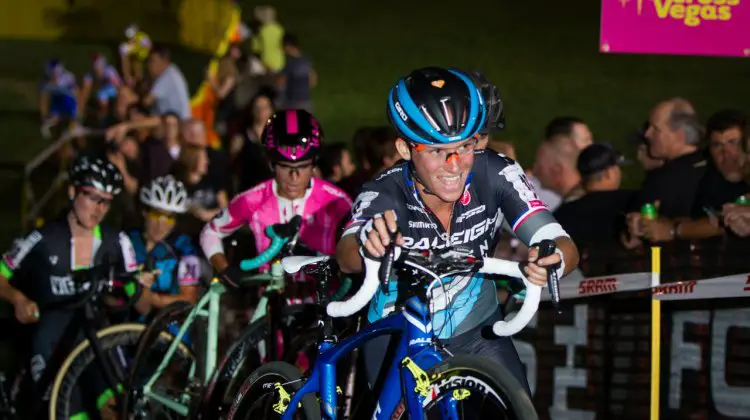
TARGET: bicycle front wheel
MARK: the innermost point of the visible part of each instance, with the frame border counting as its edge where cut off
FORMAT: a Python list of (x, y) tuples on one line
[(265, 394), (117, 342), (472, 387)]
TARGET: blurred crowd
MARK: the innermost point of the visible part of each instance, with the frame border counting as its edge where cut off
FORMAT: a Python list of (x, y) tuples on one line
[(696, 170)]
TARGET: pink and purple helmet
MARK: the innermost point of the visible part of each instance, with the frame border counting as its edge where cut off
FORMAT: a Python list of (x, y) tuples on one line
[(292, 135)]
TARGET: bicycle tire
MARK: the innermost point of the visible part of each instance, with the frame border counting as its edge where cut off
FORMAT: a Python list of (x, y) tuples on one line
[(155, 330), (271, 373), (496, 376), (80, 358), (223, 385)]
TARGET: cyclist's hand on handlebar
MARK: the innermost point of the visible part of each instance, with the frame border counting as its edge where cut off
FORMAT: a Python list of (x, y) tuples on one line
[(27, 311), (147, 278), (231, 276), (536, 269), (375, 235)]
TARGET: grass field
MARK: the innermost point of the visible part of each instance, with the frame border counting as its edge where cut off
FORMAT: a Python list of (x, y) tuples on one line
[(543, 55)]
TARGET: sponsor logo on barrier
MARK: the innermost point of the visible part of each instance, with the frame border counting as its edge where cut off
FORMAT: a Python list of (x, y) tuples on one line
[(681, 288), (747, 283), (595, 286)]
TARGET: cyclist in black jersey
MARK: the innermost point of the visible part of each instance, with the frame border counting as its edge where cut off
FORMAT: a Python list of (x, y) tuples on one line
[(448, 193), (37, 271)]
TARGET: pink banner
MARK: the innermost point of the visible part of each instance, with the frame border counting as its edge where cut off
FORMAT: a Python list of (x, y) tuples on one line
[(685, 27)]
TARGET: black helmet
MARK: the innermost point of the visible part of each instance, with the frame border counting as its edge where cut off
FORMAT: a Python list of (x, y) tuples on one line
[(292, 135), (95, 172), (495, 116), (436, 106)]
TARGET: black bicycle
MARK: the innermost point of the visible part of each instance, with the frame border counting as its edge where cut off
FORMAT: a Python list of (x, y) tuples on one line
[(87, 347)]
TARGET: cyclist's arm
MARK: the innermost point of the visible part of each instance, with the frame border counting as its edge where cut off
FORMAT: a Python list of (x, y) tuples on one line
[(529, 218), (366, 206), (222, 225), (127, 254), (188, 274), (11, 262)]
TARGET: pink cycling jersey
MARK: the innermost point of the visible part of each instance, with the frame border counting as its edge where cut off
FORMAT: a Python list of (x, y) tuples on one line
[(323, 208)]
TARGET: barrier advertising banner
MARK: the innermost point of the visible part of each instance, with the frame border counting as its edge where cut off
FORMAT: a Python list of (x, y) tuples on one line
[(683, 27), (593, 360)]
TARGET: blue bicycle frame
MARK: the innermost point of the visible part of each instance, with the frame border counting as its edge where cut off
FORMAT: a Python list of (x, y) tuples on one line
[(414, 322)]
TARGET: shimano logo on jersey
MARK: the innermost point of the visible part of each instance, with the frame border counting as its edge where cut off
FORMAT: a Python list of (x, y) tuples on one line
[(471, 213), (400, 111), (422, 225)]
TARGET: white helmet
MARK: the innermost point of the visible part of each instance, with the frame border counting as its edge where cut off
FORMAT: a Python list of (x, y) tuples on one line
[(131, 31), (165, 193)]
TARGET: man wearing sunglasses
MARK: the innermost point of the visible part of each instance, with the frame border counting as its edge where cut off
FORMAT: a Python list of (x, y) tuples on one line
[(37, 271), (446, 193), (169, 258), (292, 139)]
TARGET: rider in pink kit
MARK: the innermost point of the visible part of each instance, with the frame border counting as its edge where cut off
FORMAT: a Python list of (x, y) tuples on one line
[(292, 139)]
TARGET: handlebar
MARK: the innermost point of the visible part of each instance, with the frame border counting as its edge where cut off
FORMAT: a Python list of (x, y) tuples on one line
[(280, 235), (92, 281), (437, 265)]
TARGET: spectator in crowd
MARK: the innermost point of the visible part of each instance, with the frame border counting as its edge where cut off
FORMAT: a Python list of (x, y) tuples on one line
[(564, 138), (126, 97), (267, 41), (138, 115), (643, 156), (572, 127), (379, 153), (248, 154), (335, 163), (169, 92), (103, 81), (193, 133), (124, 154), (159, 153), (673, 135), (58, 96), (297, 77), (721, 184), (223, 83), (598, 216), (207, 193), (555, 170)]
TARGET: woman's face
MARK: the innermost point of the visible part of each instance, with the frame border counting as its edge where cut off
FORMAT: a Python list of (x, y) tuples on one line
[(262, 109)]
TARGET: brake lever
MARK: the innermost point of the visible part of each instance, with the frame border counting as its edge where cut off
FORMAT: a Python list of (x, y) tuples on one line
[(546, 248), (385, 272)]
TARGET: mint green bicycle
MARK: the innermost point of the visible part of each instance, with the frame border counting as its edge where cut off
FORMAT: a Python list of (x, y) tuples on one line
[(171, 378)]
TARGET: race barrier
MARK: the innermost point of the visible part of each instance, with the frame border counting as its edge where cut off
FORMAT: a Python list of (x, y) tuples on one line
[(628, 347)]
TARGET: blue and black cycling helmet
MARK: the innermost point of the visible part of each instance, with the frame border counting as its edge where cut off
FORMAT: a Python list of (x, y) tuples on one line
[(436, 106), (495, 111)]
